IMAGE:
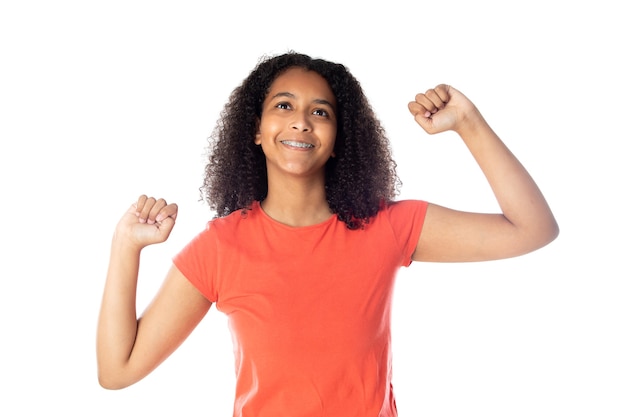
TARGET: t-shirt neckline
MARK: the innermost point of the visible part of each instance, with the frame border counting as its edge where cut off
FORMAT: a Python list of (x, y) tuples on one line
[(256, 206)]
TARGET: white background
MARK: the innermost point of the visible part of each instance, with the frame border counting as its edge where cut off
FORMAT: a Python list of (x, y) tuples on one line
[(102, 101)]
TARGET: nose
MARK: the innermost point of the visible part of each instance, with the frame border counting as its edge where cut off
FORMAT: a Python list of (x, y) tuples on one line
[(301, 122)]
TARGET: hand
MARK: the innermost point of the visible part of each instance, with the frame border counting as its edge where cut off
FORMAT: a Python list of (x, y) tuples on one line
[(147, 221), (443, 108)]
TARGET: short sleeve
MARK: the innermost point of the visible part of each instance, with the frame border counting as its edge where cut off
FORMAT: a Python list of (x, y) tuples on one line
[(406, 218), (197, 262)]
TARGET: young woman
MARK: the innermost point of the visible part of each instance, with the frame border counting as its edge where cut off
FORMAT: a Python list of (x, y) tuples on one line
[(303, 252)]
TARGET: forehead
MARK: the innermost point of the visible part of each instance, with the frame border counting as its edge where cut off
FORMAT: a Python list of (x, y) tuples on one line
[(303, 83)]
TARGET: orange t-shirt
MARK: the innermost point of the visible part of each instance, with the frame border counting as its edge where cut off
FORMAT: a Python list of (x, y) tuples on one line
[(308, 307)]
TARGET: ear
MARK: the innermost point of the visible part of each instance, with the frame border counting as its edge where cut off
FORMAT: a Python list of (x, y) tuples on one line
[(257, 135)]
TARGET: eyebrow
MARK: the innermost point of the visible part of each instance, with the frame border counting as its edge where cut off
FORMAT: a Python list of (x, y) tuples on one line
[(317, 100)]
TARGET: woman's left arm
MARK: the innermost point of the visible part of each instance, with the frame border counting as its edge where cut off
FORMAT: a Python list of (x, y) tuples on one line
[(526, 222)]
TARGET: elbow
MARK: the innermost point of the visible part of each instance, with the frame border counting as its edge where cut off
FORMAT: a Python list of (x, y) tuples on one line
[(110, 384), (547, 234), (552, 231), (532, 239), (555, 231), (111, 381)]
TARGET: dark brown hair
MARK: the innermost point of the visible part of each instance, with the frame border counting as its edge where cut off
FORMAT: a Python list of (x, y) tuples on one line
[(360, 177)]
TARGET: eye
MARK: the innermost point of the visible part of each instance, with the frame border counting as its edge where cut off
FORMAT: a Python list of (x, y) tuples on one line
[(283, 105), (321, 112)]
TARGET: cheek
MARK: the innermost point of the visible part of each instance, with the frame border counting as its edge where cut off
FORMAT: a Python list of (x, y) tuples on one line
[(332, 134), (268, 127)]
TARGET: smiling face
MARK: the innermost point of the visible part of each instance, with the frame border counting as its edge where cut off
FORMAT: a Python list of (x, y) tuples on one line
[(298, 124)]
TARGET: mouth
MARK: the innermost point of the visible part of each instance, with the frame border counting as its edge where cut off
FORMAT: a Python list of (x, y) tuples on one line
[(296, 144)]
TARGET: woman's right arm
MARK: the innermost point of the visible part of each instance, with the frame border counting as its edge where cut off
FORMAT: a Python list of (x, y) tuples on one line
[(129, 348)]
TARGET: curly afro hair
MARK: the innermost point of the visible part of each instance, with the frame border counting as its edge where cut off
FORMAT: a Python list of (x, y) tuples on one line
[(360, 179)]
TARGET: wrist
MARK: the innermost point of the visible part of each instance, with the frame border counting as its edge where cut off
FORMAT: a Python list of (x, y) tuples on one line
[(473, 126), (121, 243)]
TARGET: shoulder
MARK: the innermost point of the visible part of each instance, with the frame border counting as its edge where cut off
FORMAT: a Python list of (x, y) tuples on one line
[(222, 232), (399, 216), (233, 229), (236, 218), (404, 208)]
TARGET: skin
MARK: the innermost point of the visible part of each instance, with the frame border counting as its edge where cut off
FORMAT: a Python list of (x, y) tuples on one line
[(300, 108), (526, 222)]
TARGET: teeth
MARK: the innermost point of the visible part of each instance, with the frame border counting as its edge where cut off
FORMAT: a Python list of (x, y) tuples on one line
[(297, 144)]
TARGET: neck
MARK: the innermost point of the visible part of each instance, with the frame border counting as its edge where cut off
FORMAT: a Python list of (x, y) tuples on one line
[(297, 203)]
